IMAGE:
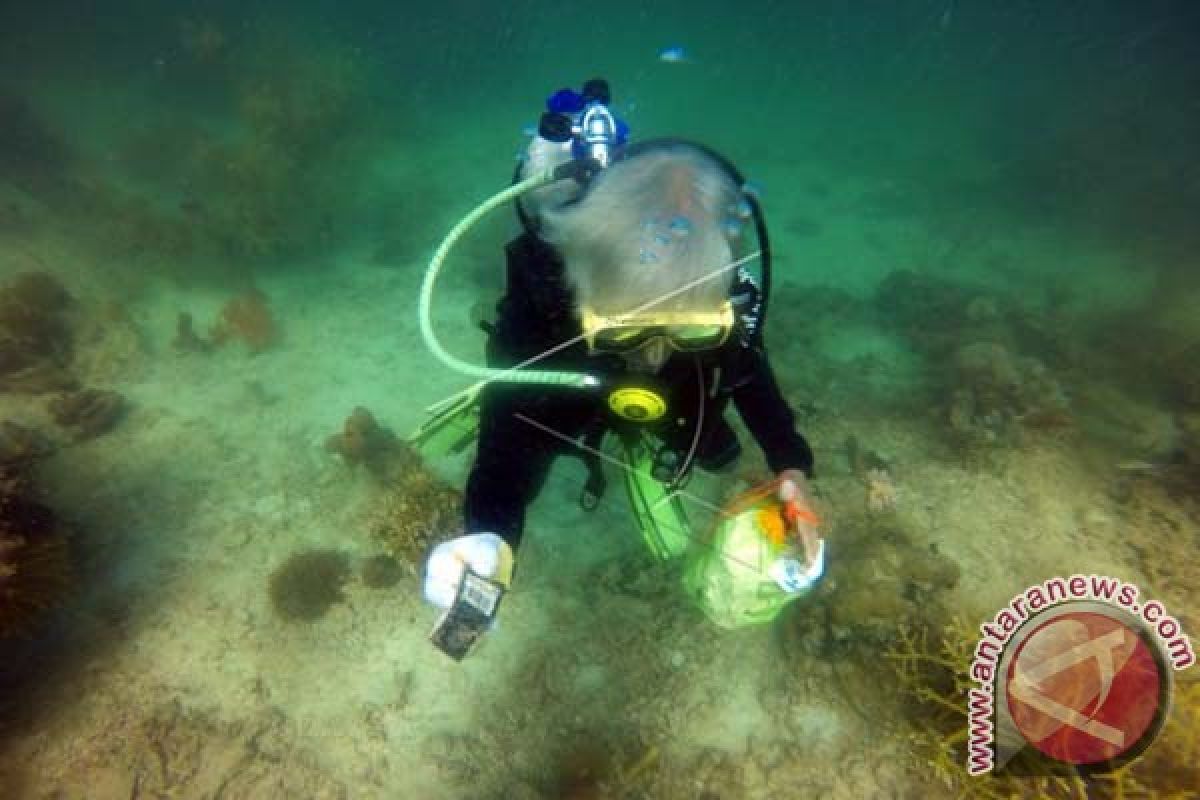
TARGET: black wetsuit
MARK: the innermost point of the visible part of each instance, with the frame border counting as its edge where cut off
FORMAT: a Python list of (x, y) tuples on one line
[(536, 313)]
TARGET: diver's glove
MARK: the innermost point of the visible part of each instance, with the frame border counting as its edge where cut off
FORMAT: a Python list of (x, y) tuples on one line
[(486, 554), (793, 576)]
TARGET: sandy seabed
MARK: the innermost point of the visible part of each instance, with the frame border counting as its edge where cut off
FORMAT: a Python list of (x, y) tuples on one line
[(167, 673)]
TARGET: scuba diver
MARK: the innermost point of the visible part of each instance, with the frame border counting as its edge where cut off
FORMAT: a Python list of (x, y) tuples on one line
[(630, 310)]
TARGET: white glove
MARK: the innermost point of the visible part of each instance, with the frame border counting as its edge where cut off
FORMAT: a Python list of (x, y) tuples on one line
[(792, 576), (485, 553)]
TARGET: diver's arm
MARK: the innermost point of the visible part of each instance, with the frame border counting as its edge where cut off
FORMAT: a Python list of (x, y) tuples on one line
[(511, 463), (755, 391), (768, 416), (496, 499), (513, 456), (503, 481), (498, 490)]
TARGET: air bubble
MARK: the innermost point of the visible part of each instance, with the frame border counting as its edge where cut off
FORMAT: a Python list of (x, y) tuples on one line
[(681, 225)]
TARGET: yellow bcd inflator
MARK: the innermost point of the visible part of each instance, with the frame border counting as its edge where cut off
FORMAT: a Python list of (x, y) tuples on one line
[(637, 403)]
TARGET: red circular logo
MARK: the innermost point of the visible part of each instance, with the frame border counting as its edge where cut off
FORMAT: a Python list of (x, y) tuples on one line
[(1084, 688)]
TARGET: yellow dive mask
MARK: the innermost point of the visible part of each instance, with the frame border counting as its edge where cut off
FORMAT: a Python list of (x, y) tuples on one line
[(687, 331)]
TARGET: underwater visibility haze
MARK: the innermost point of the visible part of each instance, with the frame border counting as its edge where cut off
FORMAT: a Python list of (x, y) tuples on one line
[(974, 225)]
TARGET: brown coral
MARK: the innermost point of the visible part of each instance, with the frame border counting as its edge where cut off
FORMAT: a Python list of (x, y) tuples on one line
[(33, 577), (87, 413), (38, 290), (21, 446), (308, 584), (248, 319), (35, 337), (31, 313), (416, 514), (34, 570), (364, 441), (416, 508)]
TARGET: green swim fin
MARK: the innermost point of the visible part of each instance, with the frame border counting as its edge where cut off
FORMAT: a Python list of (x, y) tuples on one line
[(452, 427), (659, 511)]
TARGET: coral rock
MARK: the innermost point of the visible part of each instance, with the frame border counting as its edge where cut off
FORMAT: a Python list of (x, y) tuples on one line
[(861, 458), (882, 579), (247, 318), (186, 339), (881, 491), (996, 396), (381, 572), (928, 310)]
